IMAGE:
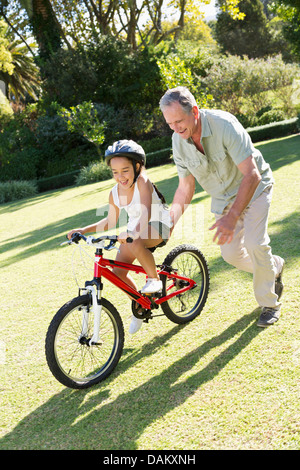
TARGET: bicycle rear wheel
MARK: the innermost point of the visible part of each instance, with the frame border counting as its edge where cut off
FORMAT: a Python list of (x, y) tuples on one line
[(71, 359), (188, 261)]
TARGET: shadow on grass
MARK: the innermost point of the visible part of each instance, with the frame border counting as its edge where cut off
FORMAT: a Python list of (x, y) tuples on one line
[(287, 238), (73, 420), (281, 152), (50, 236), (15, 206), (43, 239), (284, 243)]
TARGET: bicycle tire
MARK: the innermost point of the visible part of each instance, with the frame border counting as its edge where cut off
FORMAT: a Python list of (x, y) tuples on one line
[(71, 360), (190, 262)]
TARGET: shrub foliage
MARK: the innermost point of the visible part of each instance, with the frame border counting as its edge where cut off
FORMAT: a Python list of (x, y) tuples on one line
[(104, 91)]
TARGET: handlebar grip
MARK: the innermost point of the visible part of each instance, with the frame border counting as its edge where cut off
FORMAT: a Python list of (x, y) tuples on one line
[(76, 237)]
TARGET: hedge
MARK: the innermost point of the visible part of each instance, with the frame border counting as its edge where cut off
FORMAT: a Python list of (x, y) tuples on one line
[(160, 157), (57, 181), (274, 130)]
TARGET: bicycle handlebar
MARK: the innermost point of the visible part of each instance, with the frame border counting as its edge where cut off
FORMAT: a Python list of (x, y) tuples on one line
[(76, 237)]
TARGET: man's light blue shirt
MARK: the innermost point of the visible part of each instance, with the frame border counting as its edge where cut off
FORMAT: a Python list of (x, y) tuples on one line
[(226, 144)]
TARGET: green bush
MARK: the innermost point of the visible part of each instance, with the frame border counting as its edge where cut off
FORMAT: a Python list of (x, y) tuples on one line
[(135, 123), (20, 165), (159, 157), (19, 155), (97, 171), (60, 150), (272, 115), (105, 71), (13, 190), (175, 71), (265, 115), (240, 85), (70, 78), (41, 146)]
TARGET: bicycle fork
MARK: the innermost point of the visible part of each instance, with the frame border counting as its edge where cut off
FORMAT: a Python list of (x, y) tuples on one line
[(97, 308)]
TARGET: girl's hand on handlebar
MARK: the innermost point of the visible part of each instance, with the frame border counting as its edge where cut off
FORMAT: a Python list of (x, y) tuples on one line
[(123, 237), (78, 230)]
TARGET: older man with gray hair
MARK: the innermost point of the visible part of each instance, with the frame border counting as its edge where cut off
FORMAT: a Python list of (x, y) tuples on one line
[(212, 147)]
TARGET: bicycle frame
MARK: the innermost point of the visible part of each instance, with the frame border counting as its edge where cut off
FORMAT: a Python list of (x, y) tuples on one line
[(101, 269)]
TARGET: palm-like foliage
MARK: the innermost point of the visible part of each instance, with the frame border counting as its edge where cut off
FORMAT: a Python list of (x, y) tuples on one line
[(25, 80)]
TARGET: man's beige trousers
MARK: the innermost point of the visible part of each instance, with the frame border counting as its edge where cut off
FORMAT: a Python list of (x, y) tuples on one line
[(250, 251)]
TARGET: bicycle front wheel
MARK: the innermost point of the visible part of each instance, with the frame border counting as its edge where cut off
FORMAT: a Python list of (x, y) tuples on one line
[(72, 360), (187, 261)]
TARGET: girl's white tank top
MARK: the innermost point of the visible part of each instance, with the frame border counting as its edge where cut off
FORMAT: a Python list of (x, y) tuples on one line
[(159, 210)]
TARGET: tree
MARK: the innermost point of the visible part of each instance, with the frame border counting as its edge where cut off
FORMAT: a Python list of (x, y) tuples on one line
[(250, 36), (45, 26), (197, 30), (289, 12), (83, 119), (25, 80), (22, 77), (14, 16), (139, 22), (105, 71)]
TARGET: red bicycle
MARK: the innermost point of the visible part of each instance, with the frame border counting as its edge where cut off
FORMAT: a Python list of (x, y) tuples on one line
[(85, 338)]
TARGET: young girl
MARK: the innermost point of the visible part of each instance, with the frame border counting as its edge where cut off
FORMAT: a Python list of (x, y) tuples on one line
[(149, 220)]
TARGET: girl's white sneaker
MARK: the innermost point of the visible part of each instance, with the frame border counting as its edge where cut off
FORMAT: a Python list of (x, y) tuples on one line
[(151, 286), (135, 325)]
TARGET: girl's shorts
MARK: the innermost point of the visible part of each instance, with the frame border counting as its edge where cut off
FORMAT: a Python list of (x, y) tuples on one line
[(164, 232)]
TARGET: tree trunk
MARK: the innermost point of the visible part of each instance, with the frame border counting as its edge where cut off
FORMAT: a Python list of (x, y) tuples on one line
[(131, 31), (45, 27)]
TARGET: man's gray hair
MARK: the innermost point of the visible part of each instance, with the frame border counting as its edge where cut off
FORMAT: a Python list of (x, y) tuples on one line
[(181, 95)]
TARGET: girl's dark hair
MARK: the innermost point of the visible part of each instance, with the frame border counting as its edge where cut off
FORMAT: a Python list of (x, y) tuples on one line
[(160, 195)]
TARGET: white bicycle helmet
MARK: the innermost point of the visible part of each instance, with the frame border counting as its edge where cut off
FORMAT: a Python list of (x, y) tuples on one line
[(126, 148)]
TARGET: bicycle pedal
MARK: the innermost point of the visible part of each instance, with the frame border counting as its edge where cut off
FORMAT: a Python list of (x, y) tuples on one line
[(146, 320), (153, 294)]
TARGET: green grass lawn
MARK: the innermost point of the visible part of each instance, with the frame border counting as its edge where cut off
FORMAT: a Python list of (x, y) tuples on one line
[(219, 382)]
